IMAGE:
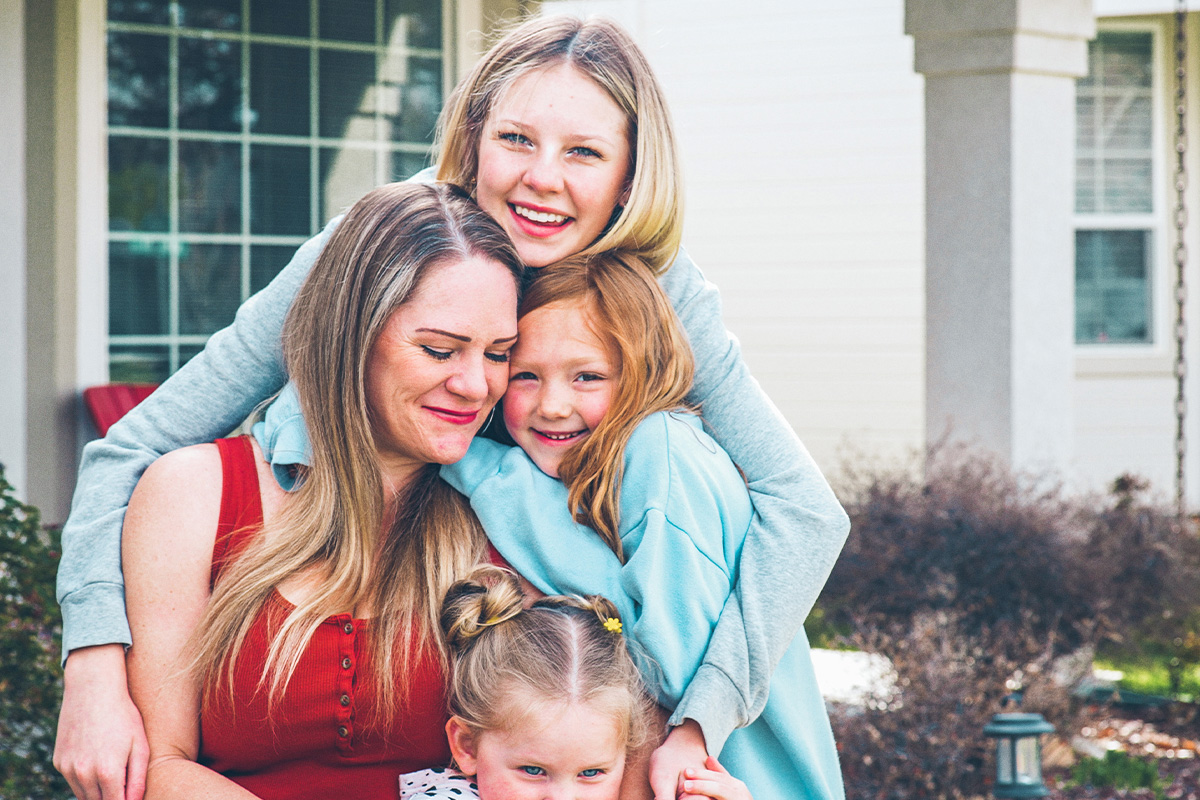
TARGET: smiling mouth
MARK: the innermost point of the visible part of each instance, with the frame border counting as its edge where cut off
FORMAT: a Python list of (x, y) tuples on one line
[(539, 217), (456, 417), (561, 437)]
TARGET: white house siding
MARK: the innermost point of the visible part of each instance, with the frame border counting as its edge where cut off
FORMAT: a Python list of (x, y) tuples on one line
[(802, 137)]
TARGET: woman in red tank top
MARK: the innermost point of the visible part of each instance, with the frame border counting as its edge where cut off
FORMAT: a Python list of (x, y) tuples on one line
[(284, 642)]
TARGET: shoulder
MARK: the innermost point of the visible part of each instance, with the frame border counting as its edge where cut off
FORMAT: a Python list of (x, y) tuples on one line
[(179, 494), (673, 461)]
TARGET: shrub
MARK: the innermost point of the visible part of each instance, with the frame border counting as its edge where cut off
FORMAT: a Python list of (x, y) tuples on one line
[(30, 635), (1117, 770), (978, 584)]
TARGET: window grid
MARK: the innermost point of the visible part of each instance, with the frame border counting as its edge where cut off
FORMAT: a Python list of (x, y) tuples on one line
[(126, 362), (1114, 306)]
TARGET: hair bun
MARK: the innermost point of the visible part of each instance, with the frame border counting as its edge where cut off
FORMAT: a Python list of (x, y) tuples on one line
[(490, 596)]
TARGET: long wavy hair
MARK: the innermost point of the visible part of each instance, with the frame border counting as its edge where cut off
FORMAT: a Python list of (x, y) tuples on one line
[(509, 661), (335, 521), (631, 314), (651, 222)]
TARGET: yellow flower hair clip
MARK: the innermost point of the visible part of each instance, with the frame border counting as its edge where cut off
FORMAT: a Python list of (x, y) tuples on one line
[(612, 625)]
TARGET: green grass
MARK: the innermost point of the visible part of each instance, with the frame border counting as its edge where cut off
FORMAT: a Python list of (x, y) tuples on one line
[(1151, 676)]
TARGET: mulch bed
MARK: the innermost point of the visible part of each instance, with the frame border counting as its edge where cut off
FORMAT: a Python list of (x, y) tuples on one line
[(1169, 735)]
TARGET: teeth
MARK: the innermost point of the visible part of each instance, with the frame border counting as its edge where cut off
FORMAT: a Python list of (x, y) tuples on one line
[(559, 437), (544, 217)]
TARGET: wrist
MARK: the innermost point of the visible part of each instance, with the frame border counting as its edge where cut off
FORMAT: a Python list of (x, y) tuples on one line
[(688, 733), (100, 666)]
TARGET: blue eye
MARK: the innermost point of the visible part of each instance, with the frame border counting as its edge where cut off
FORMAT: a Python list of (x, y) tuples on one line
[(439, 355), (587, 152), (588, 377), (513, 138), (592, 773), (535, 771)]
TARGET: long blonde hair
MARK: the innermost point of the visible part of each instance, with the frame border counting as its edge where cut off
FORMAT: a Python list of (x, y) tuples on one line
[(633, 316), (373, 263), (561, 649), (651, 223)]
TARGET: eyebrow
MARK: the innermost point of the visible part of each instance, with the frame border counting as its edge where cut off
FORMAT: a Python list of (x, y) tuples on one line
[(462, 338)]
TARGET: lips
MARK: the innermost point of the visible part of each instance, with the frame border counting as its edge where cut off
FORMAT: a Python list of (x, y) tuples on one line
[(452, 416)]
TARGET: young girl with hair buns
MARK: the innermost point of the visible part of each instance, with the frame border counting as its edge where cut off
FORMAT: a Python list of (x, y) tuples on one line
[(596, 402), (545, 701)]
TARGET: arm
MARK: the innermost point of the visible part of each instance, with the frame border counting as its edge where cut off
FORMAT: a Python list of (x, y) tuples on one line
[(798, 529), (101, 740), (167, 554)]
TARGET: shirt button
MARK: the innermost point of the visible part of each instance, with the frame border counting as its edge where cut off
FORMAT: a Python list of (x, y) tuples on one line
[(346, 662), (343, 731), (349, 628), (344, 700)]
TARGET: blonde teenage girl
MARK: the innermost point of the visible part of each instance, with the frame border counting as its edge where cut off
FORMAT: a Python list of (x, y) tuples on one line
[(545, 702), (596, 403), (562, 135)]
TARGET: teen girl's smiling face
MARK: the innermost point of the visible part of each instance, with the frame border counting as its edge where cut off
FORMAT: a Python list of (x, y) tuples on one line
[(564, 751), (554, 161), (440, 364), (561, 382)]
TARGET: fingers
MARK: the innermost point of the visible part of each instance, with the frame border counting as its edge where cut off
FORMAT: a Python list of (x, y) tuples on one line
[(139, 759), (714, 782)]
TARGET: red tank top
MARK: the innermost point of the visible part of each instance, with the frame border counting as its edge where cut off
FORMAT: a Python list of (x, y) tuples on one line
[(320, 741)]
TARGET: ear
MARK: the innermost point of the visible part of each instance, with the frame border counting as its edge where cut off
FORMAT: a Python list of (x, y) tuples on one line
[(463, 745)]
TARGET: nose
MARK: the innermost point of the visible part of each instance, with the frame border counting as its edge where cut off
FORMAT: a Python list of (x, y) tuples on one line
[(553, 402), (544, 175), (469, 381)]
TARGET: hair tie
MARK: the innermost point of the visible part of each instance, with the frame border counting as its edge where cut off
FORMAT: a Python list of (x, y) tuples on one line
[(612, 625)]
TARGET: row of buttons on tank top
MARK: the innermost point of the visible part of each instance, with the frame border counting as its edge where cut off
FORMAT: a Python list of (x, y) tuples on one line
[(345, 684)]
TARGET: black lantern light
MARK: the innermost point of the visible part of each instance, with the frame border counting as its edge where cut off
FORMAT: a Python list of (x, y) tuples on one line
[(1018, 754)]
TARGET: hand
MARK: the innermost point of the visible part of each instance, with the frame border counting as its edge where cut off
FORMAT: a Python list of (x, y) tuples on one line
[(714, 782), (101, 744), (684, 749)]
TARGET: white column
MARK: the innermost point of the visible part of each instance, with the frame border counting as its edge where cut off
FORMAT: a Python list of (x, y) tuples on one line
[(999, 190), (13, 278)]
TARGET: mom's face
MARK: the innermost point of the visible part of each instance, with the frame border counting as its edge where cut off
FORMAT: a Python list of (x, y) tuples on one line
[(554, 161), (440, 364)]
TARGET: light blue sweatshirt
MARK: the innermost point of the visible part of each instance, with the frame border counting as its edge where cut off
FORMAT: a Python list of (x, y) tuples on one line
[(796, 534), (684, 516)]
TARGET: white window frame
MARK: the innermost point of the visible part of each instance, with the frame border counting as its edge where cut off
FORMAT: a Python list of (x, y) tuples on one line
[(1155, 355)]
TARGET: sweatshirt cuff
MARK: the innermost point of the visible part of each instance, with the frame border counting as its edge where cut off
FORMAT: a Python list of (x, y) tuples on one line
[(714, 702), (94, 615)]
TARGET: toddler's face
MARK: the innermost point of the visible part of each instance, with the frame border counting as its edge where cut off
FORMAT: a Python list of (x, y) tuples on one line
[(572, 750), (562, 377)]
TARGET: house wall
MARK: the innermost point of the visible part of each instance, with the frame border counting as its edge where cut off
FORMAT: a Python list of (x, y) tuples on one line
[(801, 132), (1124, 396)]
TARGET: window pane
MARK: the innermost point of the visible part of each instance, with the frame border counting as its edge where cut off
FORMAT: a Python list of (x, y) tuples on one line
[(137, 184), (137, 80), (219, 14), (128, 364), (154, 12), (210, 286), (346, 175), (404, 165), (412, 97), (210, 84), (210, 187), (416, 23), (1114, 127), (347, 100), (279, 89), (265, 263), (138, 288), (347, 20), (1112, 286), (279, 190), (279, 17)]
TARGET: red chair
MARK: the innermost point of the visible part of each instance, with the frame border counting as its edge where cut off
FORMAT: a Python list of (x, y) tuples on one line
[(107, 404)]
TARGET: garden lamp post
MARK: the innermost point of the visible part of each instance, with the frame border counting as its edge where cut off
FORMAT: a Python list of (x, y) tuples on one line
[(1018, 754)]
